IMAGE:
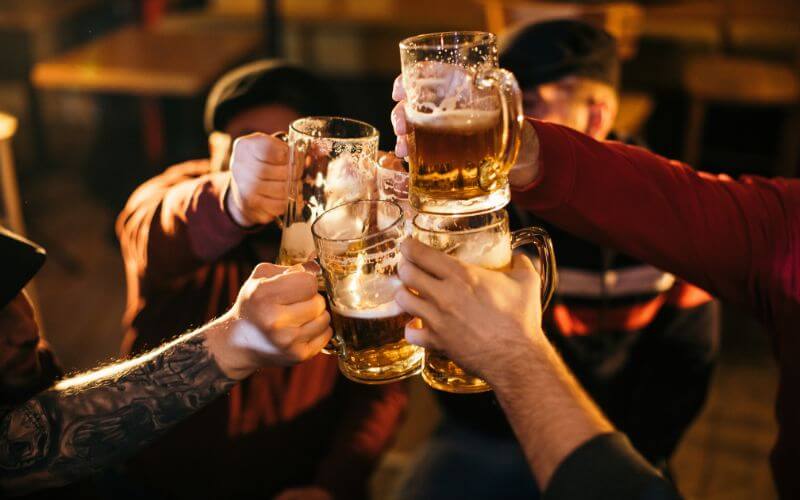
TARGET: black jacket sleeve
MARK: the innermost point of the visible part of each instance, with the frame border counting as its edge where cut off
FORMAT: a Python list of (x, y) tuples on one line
[(608, 468)]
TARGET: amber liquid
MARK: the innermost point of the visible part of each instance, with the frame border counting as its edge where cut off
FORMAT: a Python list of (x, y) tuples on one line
[(441, 372), (451, 166), (374, 346)]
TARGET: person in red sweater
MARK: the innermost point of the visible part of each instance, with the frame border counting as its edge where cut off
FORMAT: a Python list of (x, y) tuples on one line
[(189, 237), (739, 240)]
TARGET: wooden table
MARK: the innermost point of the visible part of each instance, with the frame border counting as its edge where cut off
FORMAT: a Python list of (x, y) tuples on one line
[(135, 61), (149, 63)]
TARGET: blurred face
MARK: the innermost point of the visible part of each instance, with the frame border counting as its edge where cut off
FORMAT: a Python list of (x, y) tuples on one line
[(19, 337), (586, 106), (268, 119)]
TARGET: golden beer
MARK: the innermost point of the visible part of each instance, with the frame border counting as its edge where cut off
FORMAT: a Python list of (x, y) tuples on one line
[(358, 248), (373, 342), (490, 251), (482, 240), (448, 153), (464, 117)]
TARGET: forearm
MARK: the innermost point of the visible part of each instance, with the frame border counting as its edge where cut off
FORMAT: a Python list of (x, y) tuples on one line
[(642, 204), (89, 421), (173, 224), (550, 413)]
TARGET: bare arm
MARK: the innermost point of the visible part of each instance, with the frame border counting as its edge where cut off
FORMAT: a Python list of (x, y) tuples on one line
[(90, 421), (549, 411), (490, 323)]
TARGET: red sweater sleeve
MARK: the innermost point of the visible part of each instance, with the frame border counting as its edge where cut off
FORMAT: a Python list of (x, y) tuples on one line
[(732, 238), (175, 223), (366, 430)]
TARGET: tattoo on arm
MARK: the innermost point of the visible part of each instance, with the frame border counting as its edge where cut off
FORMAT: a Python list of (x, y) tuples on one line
[(90, 421)]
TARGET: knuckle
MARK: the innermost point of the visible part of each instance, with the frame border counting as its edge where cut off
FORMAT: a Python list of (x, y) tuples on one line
[(296, 353)]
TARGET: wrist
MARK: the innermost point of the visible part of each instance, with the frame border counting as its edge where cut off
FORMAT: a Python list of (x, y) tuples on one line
[(516, 370), (232, 208), (234, 361), (526, 168)]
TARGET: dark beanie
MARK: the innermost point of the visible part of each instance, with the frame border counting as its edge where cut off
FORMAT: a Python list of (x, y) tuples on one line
[(20, 259), (548, 51), (268, 81)]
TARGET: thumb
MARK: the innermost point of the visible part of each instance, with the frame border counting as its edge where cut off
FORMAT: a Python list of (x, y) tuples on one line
[(419, 335), (268, 270)]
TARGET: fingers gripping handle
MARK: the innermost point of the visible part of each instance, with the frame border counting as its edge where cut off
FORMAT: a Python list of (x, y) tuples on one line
[(297, 160)]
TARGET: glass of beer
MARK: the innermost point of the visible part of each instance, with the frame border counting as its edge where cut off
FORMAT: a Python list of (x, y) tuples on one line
[(483, 240), (358, 248), (331, 161), (393, 186), (464, 118)]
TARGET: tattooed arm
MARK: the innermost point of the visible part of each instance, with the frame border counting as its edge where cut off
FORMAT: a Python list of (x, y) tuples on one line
[(90, 421)]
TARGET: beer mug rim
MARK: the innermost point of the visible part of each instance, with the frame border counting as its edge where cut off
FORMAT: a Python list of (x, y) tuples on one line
[(460, 39), (494, 218), (369, 131), (396, 221)]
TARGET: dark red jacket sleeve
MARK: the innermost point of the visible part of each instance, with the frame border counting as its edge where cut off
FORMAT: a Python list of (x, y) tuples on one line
[(175, 223), (732, 238), (367, 428)]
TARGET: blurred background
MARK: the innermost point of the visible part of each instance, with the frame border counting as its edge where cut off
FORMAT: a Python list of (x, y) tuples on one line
[(108, 93)]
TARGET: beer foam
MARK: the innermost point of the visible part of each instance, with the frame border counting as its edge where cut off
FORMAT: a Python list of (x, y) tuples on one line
[(297, 239), (367, 296), (458, 120), (385, 310), (485, 250)]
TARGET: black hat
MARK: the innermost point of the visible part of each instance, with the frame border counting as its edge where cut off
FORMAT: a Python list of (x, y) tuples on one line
[(265, 82), (20, 259), (548, 51)]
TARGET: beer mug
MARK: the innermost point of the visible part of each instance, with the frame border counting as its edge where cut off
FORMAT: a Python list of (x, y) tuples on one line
[(483, 240), (358, 248), (464, 118), (334, 159), (393, 186)]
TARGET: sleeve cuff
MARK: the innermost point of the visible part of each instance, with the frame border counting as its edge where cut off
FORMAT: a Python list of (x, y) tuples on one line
[(554, 184), (214, 231), (607, 467)]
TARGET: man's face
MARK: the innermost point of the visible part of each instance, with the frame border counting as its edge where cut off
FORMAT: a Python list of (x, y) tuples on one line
[(268, 119), (574, 103), (557, 102), (19, 337)]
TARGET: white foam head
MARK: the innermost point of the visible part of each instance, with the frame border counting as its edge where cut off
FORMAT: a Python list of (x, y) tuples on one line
[(367, 296), (297, 239), (386, 310), (492, 251), (459, 120)]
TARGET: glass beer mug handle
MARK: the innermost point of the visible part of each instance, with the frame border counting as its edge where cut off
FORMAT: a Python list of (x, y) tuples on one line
[(511, 116), (333, 347), (541, 240), (297, 159)]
